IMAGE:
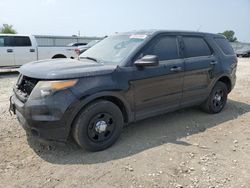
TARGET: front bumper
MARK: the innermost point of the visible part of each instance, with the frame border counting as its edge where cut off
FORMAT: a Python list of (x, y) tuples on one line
[(46, 119)]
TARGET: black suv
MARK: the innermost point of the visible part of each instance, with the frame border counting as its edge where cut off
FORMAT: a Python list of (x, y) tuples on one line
[(124, 78)]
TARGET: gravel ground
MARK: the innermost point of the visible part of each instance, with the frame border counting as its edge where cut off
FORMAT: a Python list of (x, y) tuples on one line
[(187, 148)]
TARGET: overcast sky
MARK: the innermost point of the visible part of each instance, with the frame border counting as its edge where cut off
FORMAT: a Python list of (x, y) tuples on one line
[(104, 17)]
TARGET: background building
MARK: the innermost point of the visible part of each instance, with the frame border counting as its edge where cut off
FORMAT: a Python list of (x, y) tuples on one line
[(50, 40)]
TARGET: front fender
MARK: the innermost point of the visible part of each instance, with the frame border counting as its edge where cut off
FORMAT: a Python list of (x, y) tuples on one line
[(79, 104), (116, 94)]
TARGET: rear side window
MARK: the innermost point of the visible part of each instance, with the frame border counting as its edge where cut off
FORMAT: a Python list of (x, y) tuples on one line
[(21, 41), (224, 46), (164, 47), (195, 47)]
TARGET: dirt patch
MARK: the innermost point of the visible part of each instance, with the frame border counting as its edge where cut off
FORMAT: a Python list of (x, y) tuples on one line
[(187, 148)]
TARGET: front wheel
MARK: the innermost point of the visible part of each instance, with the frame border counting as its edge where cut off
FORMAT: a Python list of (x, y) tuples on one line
[(98, 126), (217, 99)]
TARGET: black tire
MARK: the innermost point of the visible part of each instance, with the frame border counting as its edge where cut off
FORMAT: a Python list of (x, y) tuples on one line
[(88, 129), (59, 56), (217, 99)]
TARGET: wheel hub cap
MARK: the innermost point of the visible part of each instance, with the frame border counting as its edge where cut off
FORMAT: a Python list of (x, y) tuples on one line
[(217, 97), (101, 126)]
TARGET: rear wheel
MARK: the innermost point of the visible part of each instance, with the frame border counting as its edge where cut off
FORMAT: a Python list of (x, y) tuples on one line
[(98, 126), (58, 56), (217, 99)]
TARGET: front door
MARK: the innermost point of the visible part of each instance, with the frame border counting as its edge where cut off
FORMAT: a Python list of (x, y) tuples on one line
[(6, 52), (24, 51), (158, 89)]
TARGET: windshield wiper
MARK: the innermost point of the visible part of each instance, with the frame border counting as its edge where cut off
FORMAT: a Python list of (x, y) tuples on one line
[(90, 58)]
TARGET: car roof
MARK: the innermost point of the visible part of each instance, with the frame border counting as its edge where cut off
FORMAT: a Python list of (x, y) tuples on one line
[(20, 35), (180, 32)]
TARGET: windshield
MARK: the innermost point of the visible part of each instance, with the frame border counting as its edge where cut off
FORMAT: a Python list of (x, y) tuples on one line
[(114, 49)]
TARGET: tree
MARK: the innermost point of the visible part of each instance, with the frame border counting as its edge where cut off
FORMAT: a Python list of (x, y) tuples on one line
[(229, 34), (7, 29)]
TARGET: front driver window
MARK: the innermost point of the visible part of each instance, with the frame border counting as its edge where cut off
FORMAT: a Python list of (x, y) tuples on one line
[(164, 47)]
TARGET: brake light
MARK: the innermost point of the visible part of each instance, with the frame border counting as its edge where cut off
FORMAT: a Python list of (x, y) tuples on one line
[(77, 51)]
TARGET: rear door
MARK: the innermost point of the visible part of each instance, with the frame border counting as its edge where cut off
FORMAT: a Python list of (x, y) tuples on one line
[(6, 52), (158, 89), (199, 65), (24, 51)]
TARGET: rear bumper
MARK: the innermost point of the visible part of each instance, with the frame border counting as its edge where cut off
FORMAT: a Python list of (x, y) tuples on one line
[(233, 76), (242, 54), (45, 119)]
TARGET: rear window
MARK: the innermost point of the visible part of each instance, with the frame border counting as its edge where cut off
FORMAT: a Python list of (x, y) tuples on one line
[(195, 47), (22, 41), (224, 46)]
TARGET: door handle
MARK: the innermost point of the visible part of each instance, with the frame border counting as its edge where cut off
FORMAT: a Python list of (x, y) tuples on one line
[(176, 69), (32, 50), (9, 50), (213, 62)]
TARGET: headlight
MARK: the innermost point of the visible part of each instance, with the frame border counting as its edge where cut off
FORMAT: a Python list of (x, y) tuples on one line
[(46, 88)]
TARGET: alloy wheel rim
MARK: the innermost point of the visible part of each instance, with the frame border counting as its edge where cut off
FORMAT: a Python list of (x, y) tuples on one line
[(218, 99)]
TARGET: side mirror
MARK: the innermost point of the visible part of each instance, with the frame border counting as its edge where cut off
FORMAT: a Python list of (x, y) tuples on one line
[(148, 60)]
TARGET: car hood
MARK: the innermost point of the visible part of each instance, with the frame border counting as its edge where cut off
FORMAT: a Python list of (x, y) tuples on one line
[(64, 69)]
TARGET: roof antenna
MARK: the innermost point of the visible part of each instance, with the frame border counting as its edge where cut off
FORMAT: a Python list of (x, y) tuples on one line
[(199, 28)]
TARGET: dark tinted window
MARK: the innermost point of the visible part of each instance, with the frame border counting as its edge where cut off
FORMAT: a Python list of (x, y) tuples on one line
[(4, 41), (1, 41), (224, 46), (165, 48), (195, 46), (22, 41)]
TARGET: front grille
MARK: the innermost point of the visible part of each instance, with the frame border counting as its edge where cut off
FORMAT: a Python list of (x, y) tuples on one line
[(24, 87)]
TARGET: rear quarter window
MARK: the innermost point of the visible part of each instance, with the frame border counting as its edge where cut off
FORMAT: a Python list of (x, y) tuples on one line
[(195, 47), (224, 45)]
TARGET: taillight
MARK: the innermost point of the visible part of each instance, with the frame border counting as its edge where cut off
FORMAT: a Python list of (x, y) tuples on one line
[(77, 51)]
